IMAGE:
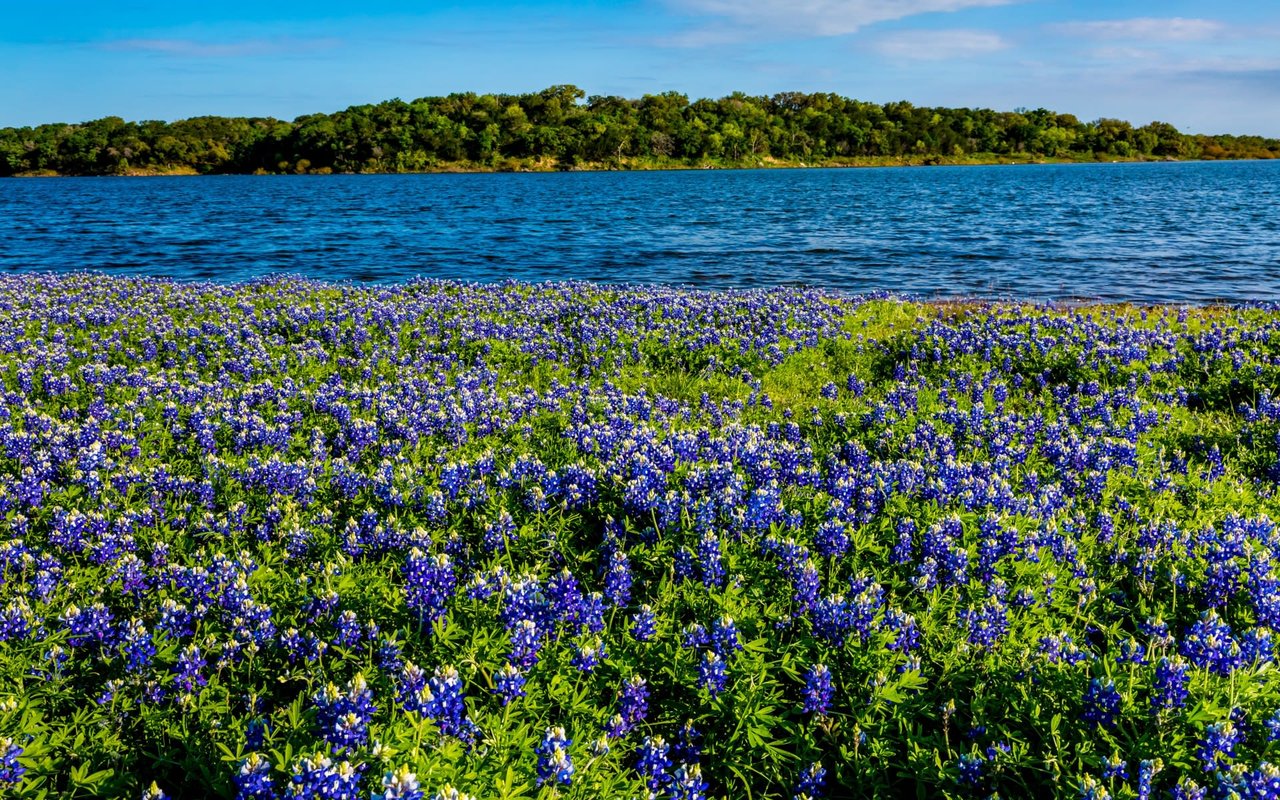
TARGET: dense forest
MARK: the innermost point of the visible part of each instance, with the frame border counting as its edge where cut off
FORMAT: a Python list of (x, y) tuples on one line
[(561, 128)]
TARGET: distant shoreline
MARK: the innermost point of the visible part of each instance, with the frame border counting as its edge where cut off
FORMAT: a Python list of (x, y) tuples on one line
[(466, 168)]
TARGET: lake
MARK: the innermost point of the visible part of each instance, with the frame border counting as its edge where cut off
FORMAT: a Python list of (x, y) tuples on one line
[(1183, 232)]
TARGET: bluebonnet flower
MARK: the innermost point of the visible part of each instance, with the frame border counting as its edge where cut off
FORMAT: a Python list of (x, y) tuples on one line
[(565, 597), (653, 762), (906, 633), (343, 716), (1091, 789), (439, 698), (806, 585), (687, 783), (554, 764), (831, 539), (189, 675), (429, 583), (253, 779), (617, 579), (255, 734), (1115, 768), (11, 770), (724, 636), (971, 768), (389, 656), (1218, 745), (1262, 783), (902, 550), (1188, 789), (592, 613), (987, 625), (813, 779), (349, 630), (1210, 643), (1101, 703), (711, 673), (1147, 770), (633, 699), (710, 563), (687, 747), (508, 683), (154, 792), (499, 532), (633, 706), (818, 690), (1169, 687), (526, 641), (90, 627), (15, 621), (401, 784), (643, 624), (318, 778), (587, 654)]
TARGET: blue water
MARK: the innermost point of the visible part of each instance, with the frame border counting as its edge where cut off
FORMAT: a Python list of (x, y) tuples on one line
[(1154, 232)]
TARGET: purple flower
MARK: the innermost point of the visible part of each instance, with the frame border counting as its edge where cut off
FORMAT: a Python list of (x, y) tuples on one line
[(832, 539), (711, 673), (401, 784), (643, 624), (587, 655), (439, 698), (710, 563), (343, 716), (188, 676), (988, 624), (1101, 703), (508, 683), (318, 778), (1146, 774), (554, 764), (429, 583), (1218, 745), (1115, 768), (633, 706), (1169, 687), (687, 783), (652, 762), (971, 768), (724, 636), (818, 690), (11, 770), (526, 641), (253, 779), (813, 779)]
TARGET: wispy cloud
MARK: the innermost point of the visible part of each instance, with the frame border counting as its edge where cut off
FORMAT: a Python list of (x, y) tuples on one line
[(192, 48), (939, 45), (1171, 29), (746, 19)]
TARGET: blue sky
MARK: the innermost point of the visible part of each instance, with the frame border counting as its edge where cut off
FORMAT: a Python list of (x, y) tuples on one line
[(1205, 67)]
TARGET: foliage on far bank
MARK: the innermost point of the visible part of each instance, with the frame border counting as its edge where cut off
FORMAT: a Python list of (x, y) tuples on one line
[(561, 128)]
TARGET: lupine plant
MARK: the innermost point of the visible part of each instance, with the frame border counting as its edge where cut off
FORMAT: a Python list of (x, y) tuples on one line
[(288, 539)]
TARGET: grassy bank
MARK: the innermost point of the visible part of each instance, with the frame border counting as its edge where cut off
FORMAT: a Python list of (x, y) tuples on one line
[(576, 541)]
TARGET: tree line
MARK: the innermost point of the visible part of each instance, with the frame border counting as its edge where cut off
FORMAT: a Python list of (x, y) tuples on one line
[(561, 128)]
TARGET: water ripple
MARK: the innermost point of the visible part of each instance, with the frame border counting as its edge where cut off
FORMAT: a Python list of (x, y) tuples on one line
[(1146, 232)]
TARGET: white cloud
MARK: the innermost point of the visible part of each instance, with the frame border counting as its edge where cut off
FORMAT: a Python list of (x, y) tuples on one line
[(191, 48), (814, 17), (1172, 29), (930, 45)]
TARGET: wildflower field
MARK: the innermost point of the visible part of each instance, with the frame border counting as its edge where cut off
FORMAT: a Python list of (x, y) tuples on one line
[(292, 539)]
